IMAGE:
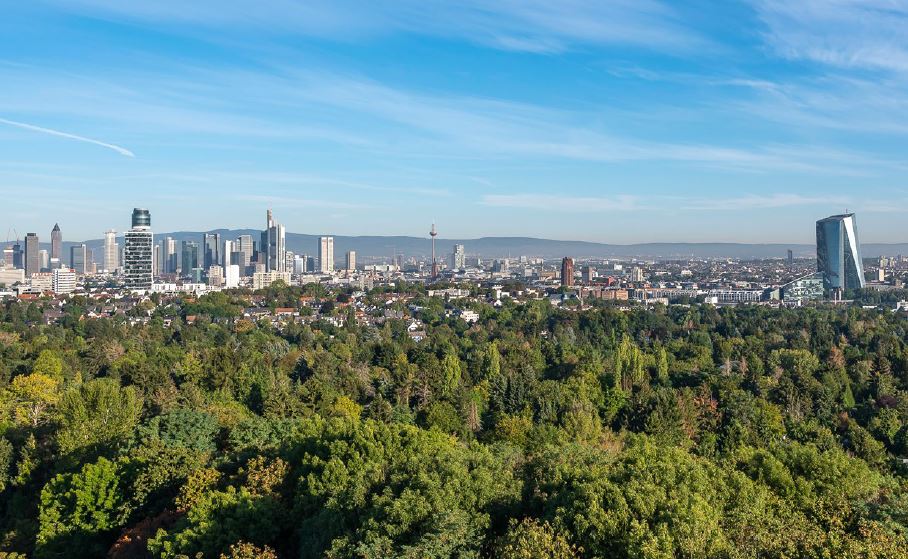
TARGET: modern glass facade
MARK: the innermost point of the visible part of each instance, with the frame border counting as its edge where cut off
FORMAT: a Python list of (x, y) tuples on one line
[(211, 247), (807, 288), (78, 258), (138, 252), (141, 218), (838, 253), (190, 258)]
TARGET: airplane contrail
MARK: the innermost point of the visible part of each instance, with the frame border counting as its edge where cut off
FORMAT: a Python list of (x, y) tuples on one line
[(116, 148)]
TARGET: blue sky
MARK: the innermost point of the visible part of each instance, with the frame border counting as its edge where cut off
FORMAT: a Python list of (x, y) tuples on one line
[(621, 121)]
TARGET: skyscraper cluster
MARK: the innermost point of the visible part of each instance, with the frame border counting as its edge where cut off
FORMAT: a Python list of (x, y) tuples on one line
[(222, 262)]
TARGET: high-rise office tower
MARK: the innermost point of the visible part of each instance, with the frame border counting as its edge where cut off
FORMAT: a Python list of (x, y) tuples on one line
[(138, 252), (32, 254), (588, 273), (56, 243), (227, 250), (190, 258), (245, 247), (78, 258), (45, 259), (351, 261), (839, 254), (159, 259), (326, 255), (111, 251), (8, 257), (567, 271), (790, 260), (458, 258), (299, 265), (172, 264), (273, 246), (232, 276), (18, 256), (211, 247), (261, 254), (215, 275)]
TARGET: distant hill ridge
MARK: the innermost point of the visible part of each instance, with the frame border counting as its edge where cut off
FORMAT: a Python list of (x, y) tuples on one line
[(499, 247)]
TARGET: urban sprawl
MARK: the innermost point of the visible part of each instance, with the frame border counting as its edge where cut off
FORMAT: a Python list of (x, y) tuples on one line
[(135, 266)]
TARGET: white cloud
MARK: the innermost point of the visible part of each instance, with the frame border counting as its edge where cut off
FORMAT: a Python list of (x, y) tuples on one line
[(537, 26), (761, 202), (293, 106), (32, 127), (628, 202), (866, 34), (297, 202), (579, 204)]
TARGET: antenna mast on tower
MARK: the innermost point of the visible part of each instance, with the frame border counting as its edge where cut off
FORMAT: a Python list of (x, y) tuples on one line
[(434, 233)]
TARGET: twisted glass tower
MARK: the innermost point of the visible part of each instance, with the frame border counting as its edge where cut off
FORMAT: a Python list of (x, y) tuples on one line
[(839, 253)]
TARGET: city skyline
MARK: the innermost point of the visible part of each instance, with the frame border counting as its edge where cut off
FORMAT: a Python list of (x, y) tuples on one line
[(241, 247), (152, 267), (617, 123)]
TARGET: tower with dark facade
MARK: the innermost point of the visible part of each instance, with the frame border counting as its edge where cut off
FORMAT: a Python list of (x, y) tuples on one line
[(32, 254)]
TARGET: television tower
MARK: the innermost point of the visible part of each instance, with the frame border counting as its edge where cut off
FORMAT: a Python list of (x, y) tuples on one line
[(434, 233)]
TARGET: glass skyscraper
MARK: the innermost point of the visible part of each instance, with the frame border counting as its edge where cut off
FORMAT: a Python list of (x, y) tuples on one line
[(273, 246), (839, 253), (211, 247), (78, 258), (190, 258)]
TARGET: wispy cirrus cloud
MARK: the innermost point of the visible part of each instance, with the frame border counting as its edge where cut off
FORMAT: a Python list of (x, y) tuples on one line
[(651, 202), (58, 133), (760, 202), (290, 179), (533, 26), (275, 107), (578, 204), (852, 67), (500, 128), (853, 34), (285, 104), (297, 202)]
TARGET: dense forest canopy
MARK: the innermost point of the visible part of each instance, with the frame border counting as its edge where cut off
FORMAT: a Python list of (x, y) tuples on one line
[(682, 431)]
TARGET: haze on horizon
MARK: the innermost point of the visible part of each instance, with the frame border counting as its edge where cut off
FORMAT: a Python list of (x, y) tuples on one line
[(617, 122)]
